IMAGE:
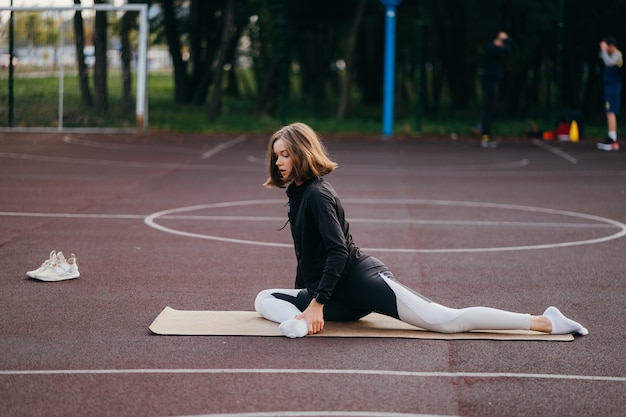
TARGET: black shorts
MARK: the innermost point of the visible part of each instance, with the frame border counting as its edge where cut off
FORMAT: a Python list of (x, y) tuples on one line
[(364, 291)]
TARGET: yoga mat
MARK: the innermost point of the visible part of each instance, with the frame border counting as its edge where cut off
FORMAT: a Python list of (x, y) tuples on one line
[(249, 323)]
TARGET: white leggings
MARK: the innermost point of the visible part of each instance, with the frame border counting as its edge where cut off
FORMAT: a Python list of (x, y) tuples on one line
[(374, 289)]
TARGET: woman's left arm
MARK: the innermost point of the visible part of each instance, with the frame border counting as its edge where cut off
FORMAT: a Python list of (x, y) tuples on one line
[(324, 208)]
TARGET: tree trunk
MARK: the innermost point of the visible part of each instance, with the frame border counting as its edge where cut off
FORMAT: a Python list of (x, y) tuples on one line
[(100, 66), (228, 29), (370, 50), (453, 35), (127, 23), (204, 29), (265, 102), (181, 79), (347, 79), (83, 76), (232, 85)]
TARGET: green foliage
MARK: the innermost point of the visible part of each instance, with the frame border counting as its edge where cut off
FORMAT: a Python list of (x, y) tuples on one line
[(237, 116), (41, 93), (554, 67)]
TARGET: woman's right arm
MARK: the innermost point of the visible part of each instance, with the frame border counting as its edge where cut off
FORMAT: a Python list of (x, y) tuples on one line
[(314, 316)]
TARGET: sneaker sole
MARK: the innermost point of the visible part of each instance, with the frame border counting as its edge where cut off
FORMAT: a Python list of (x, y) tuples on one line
[(55, 279), (606, 147), (33, 274)]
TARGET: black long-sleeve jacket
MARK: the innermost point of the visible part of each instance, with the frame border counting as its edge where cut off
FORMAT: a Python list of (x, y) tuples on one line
[(493, 56), (324, 248)]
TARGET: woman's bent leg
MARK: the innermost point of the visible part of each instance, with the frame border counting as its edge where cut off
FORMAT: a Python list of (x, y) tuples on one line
[(276, 309), (281, 306)]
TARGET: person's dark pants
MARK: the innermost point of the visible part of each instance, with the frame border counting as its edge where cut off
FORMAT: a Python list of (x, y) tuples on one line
[(490, 94)]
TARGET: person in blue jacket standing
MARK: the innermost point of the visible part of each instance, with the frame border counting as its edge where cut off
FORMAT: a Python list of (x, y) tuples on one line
[(613, 62)]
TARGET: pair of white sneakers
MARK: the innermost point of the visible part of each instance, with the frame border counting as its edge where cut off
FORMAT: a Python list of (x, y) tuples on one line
[(56, 268)]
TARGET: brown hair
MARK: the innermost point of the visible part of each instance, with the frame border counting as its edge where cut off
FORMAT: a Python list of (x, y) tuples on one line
[(308, 154)]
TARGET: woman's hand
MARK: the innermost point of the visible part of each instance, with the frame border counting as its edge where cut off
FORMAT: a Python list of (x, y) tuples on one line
[(314, 316)]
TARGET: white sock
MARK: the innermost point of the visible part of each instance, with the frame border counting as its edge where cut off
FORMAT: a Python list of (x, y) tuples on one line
[(293, 328), (563, 325), (613, 135)]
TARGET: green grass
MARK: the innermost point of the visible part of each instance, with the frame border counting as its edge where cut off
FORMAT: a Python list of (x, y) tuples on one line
[(36, 105)]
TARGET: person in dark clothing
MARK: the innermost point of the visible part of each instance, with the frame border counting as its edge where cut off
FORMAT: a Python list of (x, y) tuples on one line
[(493, 71), (613, 62), (335, 280)]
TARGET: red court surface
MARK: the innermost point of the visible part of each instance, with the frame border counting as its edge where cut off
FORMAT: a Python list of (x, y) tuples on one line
[(183, 221)]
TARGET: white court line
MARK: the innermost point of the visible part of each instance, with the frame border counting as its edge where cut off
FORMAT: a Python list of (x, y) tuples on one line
[(367, 372), (100, 162), (446, 168), (74, 215), (125, 147), (283, 219), (223, 146), (555, 151), (104, 162), (347, 169), (150, 220), (255, 160), (318, 414)]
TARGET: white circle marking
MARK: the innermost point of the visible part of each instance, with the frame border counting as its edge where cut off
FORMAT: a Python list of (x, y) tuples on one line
[(150, 220)]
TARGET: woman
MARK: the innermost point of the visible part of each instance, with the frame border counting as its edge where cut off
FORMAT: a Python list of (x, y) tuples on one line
[(335, 281)]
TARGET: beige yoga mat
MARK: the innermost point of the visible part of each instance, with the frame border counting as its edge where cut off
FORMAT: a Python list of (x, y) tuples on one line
[(249, 323)]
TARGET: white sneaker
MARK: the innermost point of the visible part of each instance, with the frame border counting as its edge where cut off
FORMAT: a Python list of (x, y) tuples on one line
[(608, 145), (61, 270), (47, 263)]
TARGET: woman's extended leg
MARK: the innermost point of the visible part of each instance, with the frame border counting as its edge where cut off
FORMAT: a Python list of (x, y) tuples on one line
[(421, 312)]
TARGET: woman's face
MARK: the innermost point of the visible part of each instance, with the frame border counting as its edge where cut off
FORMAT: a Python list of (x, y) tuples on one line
[(284, 163)]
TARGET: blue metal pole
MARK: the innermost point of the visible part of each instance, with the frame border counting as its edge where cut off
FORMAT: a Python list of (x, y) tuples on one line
[(389, 65)]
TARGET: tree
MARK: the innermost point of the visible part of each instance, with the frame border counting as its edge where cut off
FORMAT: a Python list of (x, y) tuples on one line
[(127, 24), (101, 101), (268, 48), (172, 35), (228, 31), (79, 42), (304, 46), (195, 30), (350, 51), (369, 53)]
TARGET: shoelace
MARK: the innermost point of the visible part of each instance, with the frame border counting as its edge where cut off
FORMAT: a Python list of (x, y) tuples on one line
[(72, 260), (50, 260), (60, 259)]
